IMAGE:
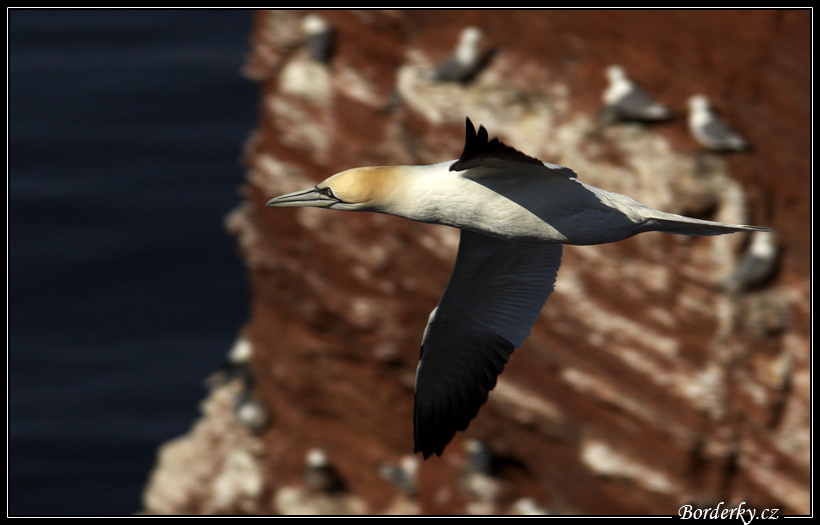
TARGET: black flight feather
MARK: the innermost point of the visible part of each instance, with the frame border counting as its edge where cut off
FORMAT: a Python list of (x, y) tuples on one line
[(479, 150)]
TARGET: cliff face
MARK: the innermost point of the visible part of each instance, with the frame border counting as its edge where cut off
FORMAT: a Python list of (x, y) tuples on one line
[(644, 385)]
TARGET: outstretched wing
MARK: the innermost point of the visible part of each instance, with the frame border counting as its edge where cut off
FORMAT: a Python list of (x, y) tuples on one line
[(493, 298)]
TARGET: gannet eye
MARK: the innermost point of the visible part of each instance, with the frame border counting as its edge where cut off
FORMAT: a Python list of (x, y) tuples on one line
[(326, 191)]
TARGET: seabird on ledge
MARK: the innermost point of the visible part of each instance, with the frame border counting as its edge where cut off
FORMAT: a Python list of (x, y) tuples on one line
[(320, 38), (710, 130), (758, 264), (467, 60), (320, 475), (515, 213), (625, 100)]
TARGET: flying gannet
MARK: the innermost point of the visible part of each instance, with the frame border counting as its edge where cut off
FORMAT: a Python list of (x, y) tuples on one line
[(625, 100), (709, 129), (515, 213)]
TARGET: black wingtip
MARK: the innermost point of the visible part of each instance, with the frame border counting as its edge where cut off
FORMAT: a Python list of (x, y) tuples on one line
[(474, 144), (453, 382), (470, 129), (425, 442), (478, 149), (425, 454), (479, 138)]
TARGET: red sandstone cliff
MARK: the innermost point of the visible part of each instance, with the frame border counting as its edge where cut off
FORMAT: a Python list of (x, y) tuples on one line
[(643, 386)]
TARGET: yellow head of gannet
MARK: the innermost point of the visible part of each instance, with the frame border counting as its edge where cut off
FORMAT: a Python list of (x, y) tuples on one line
[(358, 189), (514, 212)]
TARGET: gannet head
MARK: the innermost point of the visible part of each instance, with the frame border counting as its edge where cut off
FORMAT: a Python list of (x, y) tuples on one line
[(357, 189)]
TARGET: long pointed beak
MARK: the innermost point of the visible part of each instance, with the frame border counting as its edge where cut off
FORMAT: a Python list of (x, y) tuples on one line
[(303, 198)]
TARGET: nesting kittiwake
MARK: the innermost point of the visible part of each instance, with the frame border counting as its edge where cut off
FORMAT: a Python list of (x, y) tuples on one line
[(320, 475), (479, 457), (320, 38), (250, 412), (710, 129), (625, 100), (467, 60), (236, 366), (757, 265), (477, 480), (402, 475), (528, 507), (515, 213)]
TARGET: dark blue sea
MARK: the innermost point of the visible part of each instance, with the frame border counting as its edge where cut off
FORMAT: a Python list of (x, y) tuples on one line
[(124, 289)]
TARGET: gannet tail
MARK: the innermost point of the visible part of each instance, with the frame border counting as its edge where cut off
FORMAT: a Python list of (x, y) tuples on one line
[(678, 224)]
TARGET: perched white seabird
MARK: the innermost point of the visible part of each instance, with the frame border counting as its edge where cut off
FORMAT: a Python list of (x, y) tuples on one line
[(479, 457), (625, 100), (709, 129), (236, 366), (402, 475), (468, 58), (320, 37), (757, 265), (477, 479), (250, 412), (514, 212), (528, 507), (320, 475)]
